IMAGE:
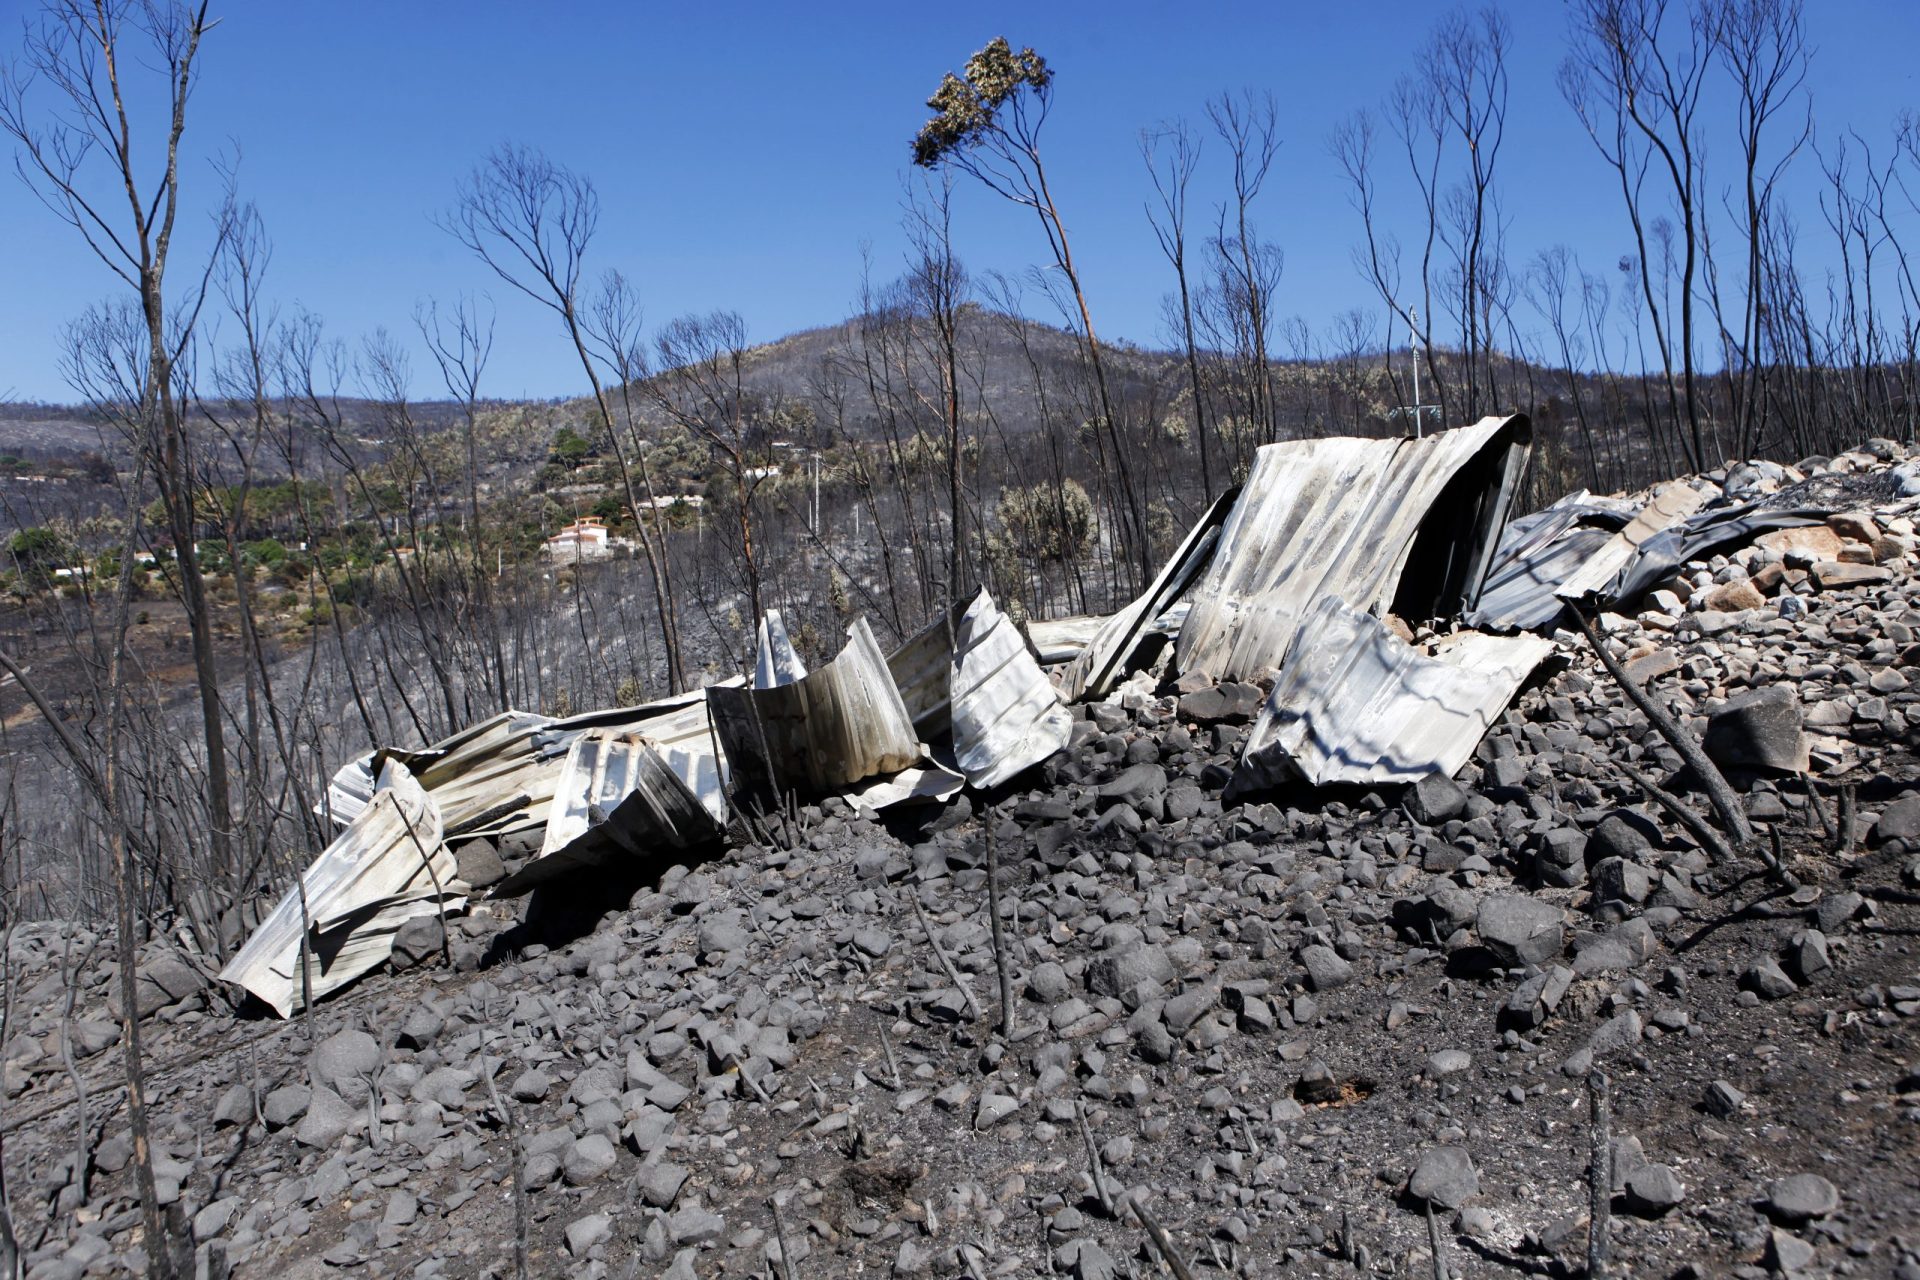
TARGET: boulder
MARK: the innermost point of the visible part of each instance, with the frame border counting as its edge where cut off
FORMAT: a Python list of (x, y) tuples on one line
[(1760, 729), (1899, 821), (479, 863), (1434, 799), (1121, 969), (1520, 930), (1818, 541), (1228, 703), (345, 1055), (1732, 597), (1445, 1176)]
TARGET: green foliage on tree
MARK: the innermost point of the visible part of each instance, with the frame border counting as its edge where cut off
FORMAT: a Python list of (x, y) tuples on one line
[(1053, 524), (612, 509), (569, 448), (37, 551), (966, 106)]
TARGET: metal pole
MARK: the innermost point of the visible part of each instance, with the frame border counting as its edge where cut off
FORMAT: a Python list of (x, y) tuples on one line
[(1413, 348)]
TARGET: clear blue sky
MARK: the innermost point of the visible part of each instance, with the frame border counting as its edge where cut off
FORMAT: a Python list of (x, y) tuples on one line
[(744, 153)]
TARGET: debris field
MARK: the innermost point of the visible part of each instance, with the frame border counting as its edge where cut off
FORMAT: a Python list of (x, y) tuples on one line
[(1390, 879)]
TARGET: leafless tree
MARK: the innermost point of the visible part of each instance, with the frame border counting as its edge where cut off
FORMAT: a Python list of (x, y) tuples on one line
[(1466, 64), (461, 341), (1636, 86), (937, 283), (988, 125), (1762, 46), (79, 155), (530, 221), (1246, 268), (700, 385), (1181, 151)]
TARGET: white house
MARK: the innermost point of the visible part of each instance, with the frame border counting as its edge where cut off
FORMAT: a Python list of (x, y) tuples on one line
[(584, 539)]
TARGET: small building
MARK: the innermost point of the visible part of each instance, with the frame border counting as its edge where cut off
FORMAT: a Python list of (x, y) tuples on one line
[(584, 539)]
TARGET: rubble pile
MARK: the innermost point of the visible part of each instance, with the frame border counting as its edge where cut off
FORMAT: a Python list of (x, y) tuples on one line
[(1272, 1022)]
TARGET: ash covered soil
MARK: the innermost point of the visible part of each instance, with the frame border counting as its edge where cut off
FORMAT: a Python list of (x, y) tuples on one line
[(1285, 1026)]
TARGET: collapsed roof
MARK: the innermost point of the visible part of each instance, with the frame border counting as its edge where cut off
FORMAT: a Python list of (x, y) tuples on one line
[(1302, 576)]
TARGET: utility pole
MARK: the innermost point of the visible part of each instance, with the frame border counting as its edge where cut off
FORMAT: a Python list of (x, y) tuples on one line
[(1416, 349)]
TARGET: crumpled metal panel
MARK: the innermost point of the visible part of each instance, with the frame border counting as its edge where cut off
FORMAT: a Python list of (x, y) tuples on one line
[(498, 776), (1595, 578), (1059, 640), (615, 793), (1006, 714), (927, 783), (388, 867), (775, 661), (1356, 704), (1714, 529), (351, 787), (1537, 553), (1095, 669), (837, 725), (1401, 524), (920, 671)]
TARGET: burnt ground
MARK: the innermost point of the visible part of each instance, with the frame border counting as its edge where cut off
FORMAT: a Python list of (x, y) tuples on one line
[(1293, 1022), (1232, 1155)]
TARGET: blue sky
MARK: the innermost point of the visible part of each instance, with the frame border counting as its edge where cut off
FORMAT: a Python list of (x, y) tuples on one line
[(745, 153)]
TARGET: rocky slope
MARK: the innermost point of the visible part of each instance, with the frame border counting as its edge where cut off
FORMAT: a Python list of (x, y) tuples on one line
[(1300, 1033)]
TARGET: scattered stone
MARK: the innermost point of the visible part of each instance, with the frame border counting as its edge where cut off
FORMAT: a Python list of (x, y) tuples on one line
[(346, 1055), (993, 1108), (1326, 971), (1789, 1254), (588, 1159), (1227, 703), (1520, 929), (1723, 1100), (584, 1233), (1762, 729), (1800, 1197), (1445, 1176), (1768, 980), (1434, 799), (1654, 1189)]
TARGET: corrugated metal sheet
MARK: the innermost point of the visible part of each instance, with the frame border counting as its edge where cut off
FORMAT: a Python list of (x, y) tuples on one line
[(1595, 578), (352, 787), (1540, 551), (615, 794), (1095, 669), (920, 671), (775, 661), (1060, 640), (498, 775), (926, 783), (1356, 704), (380, 873), (1006, 714), (1706, 533), (1404, 524), (838, 725), (970, 682)]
